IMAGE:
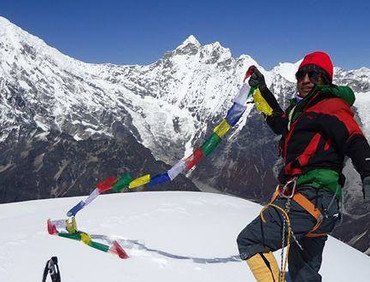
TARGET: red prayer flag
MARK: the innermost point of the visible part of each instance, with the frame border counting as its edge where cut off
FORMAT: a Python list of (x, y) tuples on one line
[(106, 184), (194, 158)]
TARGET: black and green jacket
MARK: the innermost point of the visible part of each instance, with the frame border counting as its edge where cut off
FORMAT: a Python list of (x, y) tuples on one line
[(317, 134)]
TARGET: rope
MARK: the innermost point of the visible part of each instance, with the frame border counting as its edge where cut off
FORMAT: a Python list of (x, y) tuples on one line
[(283, 262)]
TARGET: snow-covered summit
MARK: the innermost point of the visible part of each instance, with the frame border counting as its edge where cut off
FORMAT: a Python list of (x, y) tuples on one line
[(169, 236), (287, 70), (190, 40), (191, 46), (16, 43)]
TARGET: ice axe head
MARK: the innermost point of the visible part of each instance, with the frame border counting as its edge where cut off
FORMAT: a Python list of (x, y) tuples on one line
[(249, 72)]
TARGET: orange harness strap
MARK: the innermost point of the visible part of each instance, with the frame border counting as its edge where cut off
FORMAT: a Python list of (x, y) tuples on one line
[(301, 200)]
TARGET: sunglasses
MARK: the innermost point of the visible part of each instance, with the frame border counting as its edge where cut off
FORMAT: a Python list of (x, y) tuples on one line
[(314, 76)]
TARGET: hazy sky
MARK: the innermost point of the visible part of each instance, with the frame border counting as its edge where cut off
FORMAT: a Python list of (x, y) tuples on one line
[(140, 31)]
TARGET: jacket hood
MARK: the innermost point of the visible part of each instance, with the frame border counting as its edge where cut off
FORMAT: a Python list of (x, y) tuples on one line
[(343, 92)]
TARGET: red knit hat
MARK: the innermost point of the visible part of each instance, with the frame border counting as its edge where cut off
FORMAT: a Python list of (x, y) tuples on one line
[(321, 60)]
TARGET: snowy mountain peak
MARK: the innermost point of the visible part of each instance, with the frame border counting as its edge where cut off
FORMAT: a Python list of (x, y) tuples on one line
[(25, 50), (191, 40), (4, 21), (8, 29), (13, 33), (214, 50), (287, 70), (248, 60), (217, 46), (364, 69)]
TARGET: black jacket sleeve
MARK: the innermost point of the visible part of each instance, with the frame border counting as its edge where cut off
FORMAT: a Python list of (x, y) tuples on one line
[(278, 121), (358, 149)]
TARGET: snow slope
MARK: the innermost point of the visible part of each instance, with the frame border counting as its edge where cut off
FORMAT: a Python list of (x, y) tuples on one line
[(201, 227)]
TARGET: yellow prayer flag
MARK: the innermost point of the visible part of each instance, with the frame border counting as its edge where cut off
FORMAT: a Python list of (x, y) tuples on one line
[(86, 238), (222, 128), (71, 225), (261, 103), (139, 181)]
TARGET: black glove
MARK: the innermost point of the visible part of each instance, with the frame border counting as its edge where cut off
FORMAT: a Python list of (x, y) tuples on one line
[(366, 187), (257, 79)]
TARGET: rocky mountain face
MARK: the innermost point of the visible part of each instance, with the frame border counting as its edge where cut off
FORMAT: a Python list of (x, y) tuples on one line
[(65, 124), (52, 164)]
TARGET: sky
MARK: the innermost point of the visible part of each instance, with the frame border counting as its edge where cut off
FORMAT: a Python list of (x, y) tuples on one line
[(141, 31)]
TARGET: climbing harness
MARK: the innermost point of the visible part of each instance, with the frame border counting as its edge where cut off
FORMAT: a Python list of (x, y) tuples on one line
[(288, 191)]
